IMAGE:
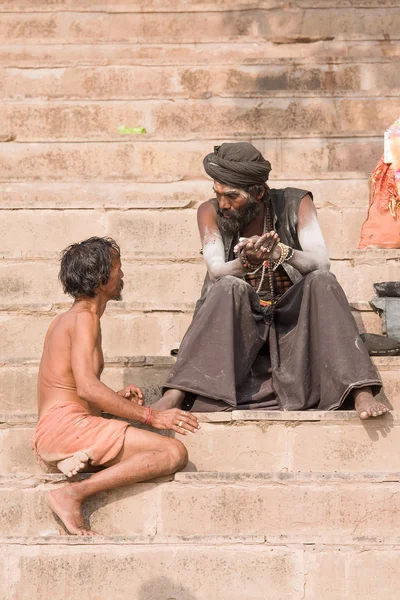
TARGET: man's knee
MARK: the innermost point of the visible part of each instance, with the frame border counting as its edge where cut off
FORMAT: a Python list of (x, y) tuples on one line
[(177, 454), (321, 277), (229, 283)]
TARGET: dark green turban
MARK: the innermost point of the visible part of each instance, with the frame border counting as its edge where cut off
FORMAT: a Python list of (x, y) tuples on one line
[(239, 165)]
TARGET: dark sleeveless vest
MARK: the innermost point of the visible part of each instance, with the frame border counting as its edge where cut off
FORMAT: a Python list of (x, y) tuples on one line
[(285, 208)]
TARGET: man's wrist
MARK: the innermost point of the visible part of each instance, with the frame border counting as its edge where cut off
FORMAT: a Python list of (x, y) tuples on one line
[(148, 417)]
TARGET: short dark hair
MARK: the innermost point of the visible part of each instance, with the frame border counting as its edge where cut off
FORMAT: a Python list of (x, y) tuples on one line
[(86, 265)]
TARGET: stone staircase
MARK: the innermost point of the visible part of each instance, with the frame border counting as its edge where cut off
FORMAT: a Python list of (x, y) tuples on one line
[(272, 506)]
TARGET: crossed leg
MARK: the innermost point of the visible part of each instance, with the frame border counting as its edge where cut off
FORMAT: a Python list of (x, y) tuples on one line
[(144, 455)]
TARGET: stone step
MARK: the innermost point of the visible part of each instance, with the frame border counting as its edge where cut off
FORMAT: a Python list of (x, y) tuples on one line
[(133, 228), (18, 381), (292, 24), (275, 441), (19, 55), (186, 120), (196, 568), (346, 509), (127, 331), (354, 81), (164, 162), (33, 286), (173, 6), (331, 190)]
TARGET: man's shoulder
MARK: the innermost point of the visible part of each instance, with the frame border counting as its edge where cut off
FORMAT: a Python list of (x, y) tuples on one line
[(78, 320), (291, 192)]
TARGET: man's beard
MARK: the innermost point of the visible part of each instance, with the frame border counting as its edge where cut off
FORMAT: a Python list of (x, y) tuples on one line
[(118, 297), (239, 219)]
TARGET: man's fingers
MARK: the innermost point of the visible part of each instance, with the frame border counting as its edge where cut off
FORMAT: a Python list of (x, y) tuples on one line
[(263, 239)]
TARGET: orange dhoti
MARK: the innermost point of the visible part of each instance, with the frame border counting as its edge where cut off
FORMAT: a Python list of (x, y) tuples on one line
[(68, 427)]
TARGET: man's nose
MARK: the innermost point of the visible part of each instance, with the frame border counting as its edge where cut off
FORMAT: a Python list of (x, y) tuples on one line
[(223, 203)]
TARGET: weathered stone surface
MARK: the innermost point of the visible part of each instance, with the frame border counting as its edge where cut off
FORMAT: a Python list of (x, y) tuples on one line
[(217, 53), (342, 510), (290, 445), (124, 334), (122, 83), (18, 383), (292, 24), (133, 510), (174, 120), (167, 162), (329, 192), (379, 565), (117, 195), (304, 447), (274, 118), (176, 6), (98, 83), (148, 234), (149, 286), (263, 506), (124, 161), (18, 387), (150, 572)]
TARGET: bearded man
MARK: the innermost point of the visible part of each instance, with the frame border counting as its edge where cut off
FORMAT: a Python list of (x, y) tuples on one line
[(272, 329)]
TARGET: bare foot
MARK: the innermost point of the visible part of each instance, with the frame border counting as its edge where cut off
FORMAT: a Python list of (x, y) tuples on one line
[(67, 508), (366, 405), (171, 399), (74, 464)]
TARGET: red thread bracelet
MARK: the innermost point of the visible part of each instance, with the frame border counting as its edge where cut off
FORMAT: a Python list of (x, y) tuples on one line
[(149, 414)]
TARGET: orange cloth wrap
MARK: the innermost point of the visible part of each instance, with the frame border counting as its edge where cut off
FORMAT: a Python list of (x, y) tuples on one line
[(68, 427), (382, 226)]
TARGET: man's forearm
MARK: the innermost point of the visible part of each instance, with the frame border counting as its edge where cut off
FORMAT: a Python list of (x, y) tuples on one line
[(305, 262), (101, 396), (222, 269)]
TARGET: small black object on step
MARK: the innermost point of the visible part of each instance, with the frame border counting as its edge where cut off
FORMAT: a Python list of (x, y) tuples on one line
[(380, 345)]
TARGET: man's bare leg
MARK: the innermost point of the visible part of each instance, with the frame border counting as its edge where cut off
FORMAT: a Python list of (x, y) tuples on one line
[(145, 455), (171, 399), (366, 405)]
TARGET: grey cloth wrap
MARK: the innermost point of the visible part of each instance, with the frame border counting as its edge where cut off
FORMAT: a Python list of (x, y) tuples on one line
[(239, 165)]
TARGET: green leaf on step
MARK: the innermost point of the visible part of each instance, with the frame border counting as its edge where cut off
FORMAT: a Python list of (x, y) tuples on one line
[(123, 129)]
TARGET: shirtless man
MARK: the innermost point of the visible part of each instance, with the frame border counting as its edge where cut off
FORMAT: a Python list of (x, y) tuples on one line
[(71, 434)]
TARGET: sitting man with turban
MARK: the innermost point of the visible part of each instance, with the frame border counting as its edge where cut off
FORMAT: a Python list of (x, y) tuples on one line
[(272, 329)]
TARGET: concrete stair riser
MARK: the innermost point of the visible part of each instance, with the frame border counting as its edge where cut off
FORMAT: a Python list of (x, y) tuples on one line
[(343, 510), (126, 332), (275, 442), (206, 570), (188, 27), (132, 228), (344, 190), (90, 121), (190, 6), (210, 54), (18, 382), (157, 286), (135, 162)]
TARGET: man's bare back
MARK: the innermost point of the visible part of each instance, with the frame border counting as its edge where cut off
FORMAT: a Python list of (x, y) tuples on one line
[(56, 382)]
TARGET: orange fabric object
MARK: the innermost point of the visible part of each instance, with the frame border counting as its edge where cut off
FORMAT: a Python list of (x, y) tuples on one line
[(382, 226), (68, 428)]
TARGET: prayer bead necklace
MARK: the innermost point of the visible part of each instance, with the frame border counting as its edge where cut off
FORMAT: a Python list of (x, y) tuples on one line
[(267, 265)]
